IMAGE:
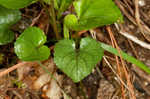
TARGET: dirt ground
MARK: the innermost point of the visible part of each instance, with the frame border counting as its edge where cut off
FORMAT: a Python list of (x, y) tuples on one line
[(111, 79)]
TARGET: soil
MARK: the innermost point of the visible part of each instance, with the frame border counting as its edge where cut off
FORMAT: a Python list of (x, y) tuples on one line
[(32, 82)]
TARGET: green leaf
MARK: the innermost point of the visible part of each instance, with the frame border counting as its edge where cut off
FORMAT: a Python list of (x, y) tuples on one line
[(95, 13), (77, 63), (15, 4), (69, 22), (6, 36), (29, 45), (8, 17), (126, 57)]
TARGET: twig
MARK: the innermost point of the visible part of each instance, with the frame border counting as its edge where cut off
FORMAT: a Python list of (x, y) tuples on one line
[(137, 15), (117, 60), (36, 18), (115, 72), (118, 2), (15, 67), (53, 17), (128, 7), (133, 38), (133, 49), (145, 30), (122, 61), (138, 20)]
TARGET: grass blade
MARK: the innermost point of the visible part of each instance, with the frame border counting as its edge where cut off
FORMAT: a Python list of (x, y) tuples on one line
[(126, 57)]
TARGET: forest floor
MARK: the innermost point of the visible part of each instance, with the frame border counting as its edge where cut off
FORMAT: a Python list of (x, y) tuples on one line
[(112, 79)]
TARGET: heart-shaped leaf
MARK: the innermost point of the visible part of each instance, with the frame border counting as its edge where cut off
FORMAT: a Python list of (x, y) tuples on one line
[(77, 63), (8, 17), (15, 4), (94, 13), (29, 45)]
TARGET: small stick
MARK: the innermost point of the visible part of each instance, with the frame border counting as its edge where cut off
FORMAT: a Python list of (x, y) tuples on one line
[(36, 18), (117, 60), (123, 63), (120, 79), (15, 67), (133, 38)]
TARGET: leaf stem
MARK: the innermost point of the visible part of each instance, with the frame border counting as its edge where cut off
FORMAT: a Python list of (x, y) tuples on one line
[(53, 17), (77, 40)]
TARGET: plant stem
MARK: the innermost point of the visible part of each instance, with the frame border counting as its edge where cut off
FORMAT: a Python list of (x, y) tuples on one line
[(77, 40), (54, 23)]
